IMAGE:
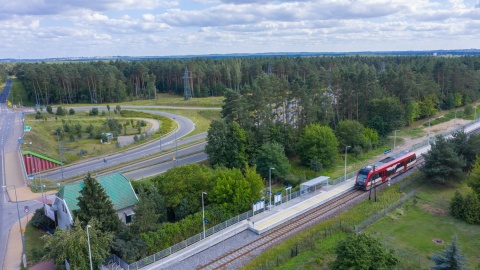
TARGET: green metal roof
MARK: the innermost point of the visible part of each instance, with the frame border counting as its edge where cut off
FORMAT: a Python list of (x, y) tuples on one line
[(117, 187), (41, 156)]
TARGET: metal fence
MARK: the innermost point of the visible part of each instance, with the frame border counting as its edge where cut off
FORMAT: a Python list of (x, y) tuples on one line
[(386, 209)]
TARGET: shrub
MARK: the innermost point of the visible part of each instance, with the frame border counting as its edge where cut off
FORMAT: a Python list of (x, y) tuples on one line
[(71, 111), (38, 115), (61, 111), (49, 109), (40, 221), (94, 111)]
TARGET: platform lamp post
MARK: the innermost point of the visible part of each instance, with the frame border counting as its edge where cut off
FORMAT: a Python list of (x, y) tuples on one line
[(395, 140), (346, 147), (89, 250), (203, 214), (20, 223), (270, 180)]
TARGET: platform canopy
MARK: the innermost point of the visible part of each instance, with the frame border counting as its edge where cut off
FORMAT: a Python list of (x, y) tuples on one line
[(314, 182)]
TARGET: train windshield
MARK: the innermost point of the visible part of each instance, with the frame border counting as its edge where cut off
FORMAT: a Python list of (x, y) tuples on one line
[(362, 177)]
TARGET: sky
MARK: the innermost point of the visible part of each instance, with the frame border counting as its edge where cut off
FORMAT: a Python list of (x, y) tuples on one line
[(37, 29)]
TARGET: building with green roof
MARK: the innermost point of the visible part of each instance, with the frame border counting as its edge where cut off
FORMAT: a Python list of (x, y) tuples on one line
[(117, 187)]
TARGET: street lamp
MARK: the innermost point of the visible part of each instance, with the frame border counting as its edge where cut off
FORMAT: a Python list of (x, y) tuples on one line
[(32, 166), (203, 214), (346, 147), (160, 132), (20, 223), (395, 140), (60, 152), (176, 146), (270, 180), (89, 251)]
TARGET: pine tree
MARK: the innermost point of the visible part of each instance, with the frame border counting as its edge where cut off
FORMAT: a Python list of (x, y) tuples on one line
[(95, 203), (456, 205), (450, 258)]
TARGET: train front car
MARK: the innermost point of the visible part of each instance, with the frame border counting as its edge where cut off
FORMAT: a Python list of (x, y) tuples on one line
[(384, 169), (363, 177)]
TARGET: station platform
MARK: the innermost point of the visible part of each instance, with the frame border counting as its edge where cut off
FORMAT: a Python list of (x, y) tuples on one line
[(281, 213)]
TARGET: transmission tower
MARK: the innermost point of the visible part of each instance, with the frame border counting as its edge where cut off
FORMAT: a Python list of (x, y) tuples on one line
[(187, 91)]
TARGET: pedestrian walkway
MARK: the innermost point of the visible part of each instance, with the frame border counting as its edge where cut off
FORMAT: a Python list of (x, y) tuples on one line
[(25, 194), (13, 256)]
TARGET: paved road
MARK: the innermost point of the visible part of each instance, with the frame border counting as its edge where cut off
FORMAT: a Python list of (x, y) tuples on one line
[(9, 145)]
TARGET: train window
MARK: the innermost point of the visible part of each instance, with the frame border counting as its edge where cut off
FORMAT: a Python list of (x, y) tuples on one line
[(362, 176)]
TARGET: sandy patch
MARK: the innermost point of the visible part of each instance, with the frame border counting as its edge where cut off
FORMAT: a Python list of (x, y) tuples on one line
[(433, 210)]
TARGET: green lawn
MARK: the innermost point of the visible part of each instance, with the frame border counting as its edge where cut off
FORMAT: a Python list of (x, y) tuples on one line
[(412, 233), (409, 230), (33, 244)]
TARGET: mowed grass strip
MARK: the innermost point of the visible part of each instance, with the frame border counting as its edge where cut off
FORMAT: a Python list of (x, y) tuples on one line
[(414, 230)]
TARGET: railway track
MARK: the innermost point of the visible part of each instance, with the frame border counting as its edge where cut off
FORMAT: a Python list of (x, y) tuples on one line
[(282, 232)]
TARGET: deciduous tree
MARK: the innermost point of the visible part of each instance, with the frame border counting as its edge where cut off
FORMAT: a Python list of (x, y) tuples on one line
[(226, 145), (72, 245), (363, 252), (272, 155), (318, 142)]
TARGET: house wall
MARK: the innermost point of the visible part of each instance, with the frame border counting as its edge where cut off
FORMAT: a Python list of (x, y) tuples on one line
[(121, 213), (63, 217)]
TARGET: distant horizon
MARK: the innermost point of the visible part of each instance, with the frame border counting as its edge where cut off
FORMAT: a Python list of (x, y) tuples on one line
[(473, 51)]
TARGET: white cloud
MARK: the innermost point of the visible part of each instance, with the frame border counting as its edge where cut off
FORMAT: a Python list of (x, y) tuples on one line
[(162, 27)]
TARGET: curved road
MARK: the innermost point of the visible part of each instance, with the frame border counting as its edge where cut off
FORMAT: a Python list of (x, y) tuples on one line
[(171, 141)]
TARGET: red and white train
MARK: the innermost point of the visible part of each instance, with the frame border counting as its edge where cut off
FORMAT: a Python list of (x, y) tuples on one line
[(385, 169)]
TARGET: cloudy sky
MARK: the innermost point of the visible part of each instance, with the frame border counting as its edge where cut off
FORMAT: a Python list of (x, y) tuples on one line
[(75, 28)]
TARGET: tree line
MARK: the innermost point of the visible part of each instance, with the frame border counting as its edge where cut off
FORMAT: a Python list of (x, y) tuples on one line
[(351, 81)]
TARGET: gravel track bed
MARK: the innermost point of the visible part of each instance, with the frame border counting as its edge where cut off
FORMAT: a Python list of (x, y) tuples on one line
[(214, 252)]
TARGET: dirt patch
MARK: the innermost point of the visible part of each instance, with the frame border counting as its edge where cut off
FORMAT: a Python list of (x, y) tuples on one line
[(433, 210), (438, 241)]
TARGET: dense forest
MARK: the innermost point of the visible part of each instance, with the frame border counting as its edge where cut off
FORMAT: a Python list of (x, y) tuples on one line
[(314, 89)]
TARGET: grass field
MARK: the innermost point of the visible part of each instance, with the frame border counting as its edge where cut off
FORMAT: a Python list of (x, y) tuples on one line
[(33, 244), (409, 230), (413, 230)]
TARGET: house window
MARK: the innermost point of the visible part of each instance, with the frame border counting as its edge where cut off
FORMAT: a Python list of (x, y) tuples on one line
[(128, 217)]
